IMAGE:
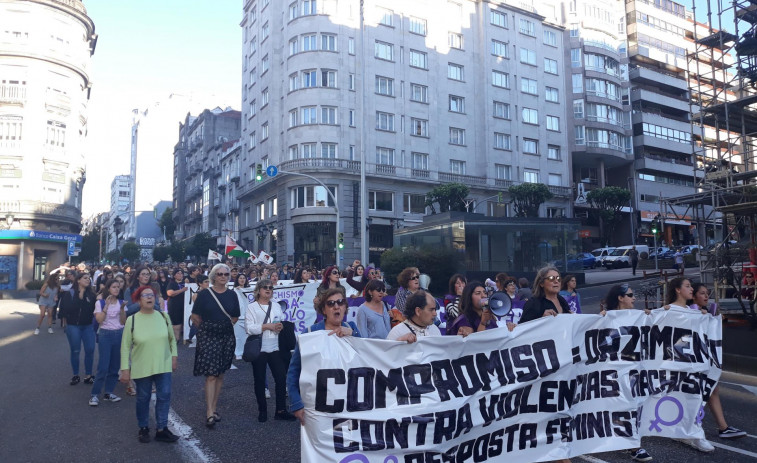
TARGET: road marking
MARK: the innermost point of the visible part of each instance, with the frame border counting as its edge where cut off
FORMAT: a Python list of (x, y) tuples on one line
[(752, 389), (189, 446), (592, 459), (734, 449), (15, 338)]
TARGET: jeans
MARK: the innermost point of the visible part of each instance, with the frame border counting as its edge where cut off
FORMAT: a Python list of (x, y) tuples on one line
[(279, 363), (109, 362), (162, 399), (78, 334)]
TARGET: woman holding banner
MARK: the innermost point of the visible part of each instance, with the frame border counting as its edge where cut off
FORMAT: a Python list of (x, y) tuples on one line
[(546, 300), (569, 293), (264, 317), (333, 308)]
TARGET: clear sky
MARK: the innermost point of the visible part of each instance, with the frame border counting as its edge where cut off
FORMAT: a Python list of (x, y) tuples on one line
[(146, 50)]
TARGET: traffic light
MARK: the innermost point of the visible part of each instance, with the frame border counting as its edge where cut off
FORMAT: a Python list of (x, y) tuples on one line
[(656, 224), (340, 242), (258, 172)]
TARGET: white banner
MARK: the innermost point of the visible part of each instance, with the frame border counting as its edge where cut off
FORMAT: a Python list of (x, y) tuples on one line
[(553, 388)]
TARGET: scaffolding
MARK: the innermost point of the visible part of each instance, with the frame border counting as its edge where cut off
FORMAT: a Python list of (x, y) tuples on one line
[(722, 71)]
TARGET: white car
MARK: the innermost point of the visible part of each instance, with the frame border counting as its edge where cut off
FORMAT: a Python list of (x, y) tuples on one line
[(600, 254)]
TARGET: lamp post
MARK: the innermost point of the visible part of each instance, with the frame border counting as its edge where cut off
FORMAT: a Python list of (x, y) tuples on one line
[(630, 209), (117, 222)]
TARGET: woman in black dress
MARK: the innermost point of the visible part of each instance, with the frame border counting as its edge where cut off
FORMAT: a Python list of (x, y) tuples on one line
[(175, 291), (215, 312)]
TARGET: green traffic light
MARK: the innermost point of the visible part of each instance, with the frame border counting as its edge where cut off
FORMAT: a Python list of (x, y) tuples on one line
[(341, 245)]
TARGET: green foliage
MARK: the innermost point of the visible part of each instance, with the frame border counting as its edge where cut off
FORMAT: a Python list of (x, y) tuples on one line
[(177, 252), (113, 256), (90, 246), (607, 203), (439, 264), (34, 285), (450, 197), (130, 251), (527, 197), (166, 223), (160, 253), (200, 244)]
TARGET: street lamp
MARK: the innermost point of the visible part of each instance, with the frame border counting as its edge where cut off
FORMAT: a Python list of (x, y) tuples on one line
[(630, 209), (9, 218), (117, 222)]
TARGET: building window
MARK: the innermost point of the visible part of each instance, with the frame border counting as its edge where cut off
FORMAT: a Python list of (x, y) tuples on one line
[(456, 104), (529, 86), (352, 152), (312, 196), (419, 93), (384, 121), (293, 118), (352, 82), (385, 156), (272, 205), (554, 180), (265, 31), (575, 57), (294, 80), (553, 123), (527, 28), (264, 95), (418, 127), (455, 71), (501, 110), (419, 161), (457, 167), (456, 136), (328, 150), (530, 146), (498, 18), (579, 134), (555, 212), (414, 204), (578, 109), (309, 151), (503, 172), (500, 79), (550, 38), (500, 49), (578, 83), (293, 11), (309, 78), (260, 212), (384, 51), (309, 116), (553, 152), (294, 152), (384, 86), (387, 17), (253, 140), (528, 56), (551, 94), (328, 115), (264, 131), (328, 42), (309, 42), (293, 47), (351, 46), (309, 7), (418, 59), (530, 116), (328, 78), (417, 26), (455, 40), (265, 64), (352, 118), (502, 141), (381, 201), (550, 66), (530, 176)]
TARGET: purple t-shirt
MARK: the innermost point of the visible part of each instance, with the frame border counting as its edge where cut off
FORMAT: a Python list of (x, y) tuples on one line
[(112, 317), (462, 320), (712, 308)]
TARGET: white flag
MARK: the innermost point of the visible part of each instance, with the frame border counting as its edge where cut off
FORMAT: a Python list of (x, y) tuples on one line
[(253, 258), (212, 255), (265, 257)]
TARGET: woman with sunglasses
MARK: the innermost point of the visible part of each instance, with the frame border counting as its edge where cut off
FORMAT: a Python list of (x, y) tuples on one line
[(333, 309), (265, 316), (474, 313), (148, 337), (77, 308), (546, 300), (214, 313), (373, 318), (330, 280), (408, 279)]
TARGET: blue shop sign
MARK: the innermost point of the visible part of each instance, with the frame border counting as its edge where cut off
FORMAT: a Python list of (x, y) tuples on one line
[(39, 236)]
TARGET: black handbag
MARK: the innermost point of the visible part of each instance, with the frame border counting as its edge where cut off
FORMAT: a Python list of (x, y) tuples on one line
[(254, 342), (287, 338)]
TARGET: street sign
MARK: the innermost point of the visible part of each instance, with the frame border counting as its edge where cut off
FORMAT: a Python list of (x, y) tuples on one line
[(272, 171), (71, 248)]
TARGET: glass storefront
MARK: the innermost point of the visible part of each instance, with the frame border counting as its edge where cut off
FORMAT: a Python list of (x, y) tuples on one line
[(315, 243)]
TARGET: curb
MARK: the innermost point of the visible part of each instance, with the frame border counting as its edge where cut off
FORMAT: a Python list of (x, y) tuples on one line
[(629, 279)]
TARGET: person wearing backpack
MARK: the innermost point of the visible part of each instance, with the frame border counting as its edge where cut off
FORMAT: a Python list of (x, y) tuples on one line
[(110, 313), (77, 309), (150, 340), (373, 318)]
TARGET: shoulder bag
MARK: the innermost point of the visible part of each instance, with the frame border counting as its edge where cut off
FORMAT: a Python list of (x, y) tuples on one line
[(254, 342), (287, 338)]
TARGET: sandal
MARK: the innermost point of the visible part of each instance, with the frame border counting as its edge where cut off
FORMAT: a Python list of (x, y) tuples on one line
[(89, 380), (217, 417), (211, 421), (75, 380), (131, 391)]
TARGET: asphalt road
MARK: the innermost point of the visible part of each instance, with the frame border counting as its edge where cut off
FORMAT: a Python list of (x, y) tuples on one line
[(43, 419)]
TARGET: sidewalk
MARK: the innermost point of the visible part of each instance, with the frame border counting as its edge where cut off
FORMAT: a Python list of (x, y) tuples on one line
[(601, 277)]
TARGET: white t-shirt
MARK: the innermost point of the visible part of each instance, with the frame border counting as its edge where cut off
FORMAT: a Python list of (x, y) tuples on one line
[(405, 328)]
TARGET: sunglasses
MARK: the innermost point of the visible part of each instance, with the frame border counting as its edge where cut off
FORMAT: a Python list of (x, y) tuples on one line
[(219, 274), (628, 295), (146, 295), (553, 278), (335, 272), (336, 302), (414, 277), (380, 290), (267, 287)]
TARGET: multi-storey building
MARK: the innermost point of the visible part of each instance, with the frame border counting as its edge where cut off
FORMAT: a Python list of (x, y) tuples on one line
[(197, 174), (427, 92), (45, 52), (121, 207)]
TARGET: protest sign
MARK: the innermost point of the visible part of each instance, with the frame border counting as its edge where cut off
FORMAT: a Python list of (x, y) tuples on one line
[(553, 388)]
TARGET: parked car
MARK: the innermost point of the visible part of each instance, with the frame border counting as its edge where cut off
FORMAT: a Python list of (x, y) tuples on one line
[(582, 260), (659, 251), (600, 254), (690, 249), (620, 258)]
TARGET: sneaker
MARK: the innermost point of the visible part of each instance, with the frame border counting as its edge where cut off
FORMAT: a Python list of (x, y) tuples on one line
[(640, 455), (89, 380), (94, 401), (111, 398), (731, 433), (36, 331), (50, 330), (75, 380), (166, 436), (144, 435), (267, 393), (700, 444)]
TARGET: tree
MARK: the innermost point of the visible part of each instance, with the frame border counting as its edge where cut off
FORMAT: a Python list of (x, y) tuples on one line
[(130, 251), (200, 244), (113, 256), (90, 246), (160, 253), (167, 224), (528, 197), (177, 252), (451, 197), (607, 203)]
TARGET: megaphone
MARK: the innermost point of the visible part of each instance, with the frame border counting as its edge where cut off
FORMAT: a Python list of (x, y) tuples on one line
[(500, 304), (424, 281)]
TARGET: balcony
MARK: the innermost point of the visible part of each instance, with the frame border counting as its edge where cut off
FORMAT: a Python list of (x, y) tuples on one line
[(658, 78), (504, 183), (40, 210), (560, 191), (448, 177), (607, 120), (660, 99), (12, 93), (385, 169), (420, 173), (194, 191), (321, 163)]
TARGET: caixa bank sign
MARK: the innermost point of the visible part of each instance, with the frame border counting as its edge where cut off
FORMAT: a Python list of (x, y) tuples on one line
[(146, 242), (39, 236)]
